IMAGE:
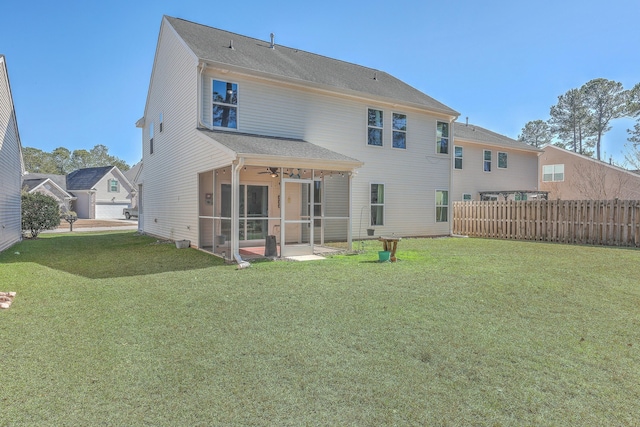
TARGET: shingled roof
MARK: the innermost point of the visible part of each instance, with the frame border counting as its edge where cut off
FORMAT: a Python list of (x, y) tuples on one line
[(85, 179), (474, 133), (256, 56), (249, 144), (36, 178)]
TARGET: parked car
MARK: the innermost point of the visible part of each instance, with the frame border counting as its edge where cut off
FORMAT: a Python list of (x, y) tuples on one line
[(129, 212)]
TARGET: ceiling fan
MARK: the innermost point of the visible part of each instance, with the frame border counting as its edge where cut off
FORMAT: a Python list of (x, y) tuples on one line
[(272, 171)]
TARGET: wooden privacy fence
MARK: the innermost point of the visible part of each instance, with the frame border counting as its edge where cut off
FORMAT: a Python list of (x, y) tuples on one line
[(593, 222)]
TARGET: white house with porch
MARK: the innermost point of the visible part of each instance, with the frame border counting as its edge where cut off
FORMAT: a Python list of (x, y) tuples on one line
[(245, 141)]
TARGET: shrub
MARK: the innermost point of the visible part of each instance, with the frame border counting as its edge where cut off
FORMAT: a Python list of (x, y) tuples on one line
[(39, 212)]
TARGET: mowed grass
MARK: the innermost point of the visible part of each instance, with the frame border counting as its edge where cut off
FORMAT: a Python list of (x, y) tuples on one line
[(114, 329)]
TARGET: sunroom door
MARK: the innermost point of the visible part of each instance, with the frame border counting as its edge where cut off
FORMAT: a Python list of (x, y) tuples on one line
[(254, 212), (297, 233)]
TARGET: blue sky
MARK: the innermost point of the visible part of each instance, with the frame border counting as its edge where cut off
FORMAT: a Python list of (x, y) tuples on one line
[(80, 70)]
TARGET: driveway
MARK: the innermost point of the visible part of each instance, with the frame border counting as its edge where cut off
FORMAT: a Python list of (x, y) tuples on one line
[(96, 225)]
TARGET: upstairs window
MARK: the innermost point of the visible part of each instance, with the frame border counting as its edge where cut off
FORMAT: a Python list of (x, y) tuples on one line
[(225, 104), (502, 160), (399, 130), (486, 163), (458, 157), (442, 138), (161, 123), (553, 173), (113, 185), (377, 204), (151, 138), (374, 127)]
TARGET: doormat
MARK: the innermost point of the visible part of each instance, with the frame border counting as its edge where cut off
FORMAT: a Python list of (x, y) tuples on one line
[(6, 298)]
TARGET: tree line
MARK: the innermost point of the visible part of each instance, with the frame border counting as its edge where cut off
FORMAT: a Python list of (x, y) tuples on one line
[(62, 161), (582, 116)]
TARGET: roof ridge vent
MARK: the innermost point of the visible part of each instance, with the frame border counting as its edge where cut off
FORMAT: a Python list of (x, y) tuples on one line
[(273, 41)]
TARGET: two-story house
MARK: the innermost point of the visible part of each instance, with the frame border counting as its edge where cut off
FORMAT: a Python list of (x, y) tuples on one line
[(491, 166), (100, 192), (11, 165), (245, 139)]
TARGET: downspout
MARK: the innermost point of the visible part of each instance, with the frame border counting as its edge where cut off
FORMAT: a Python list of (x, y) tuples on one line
[(201, 67), (451, 170), (350, 224), (235, 206)]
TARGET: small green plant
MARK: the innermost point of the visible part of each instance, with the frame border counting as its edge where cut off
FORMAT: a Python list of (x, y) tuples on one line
[(39, 212)]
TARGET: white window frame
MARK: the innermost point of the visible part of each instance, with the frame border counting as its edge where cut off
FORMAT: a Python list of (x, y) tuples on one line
[(555, 171), (160, 123), (484, 161), (371, 205), (441, 206), (235, 106), (448, 138), (506, 160), (394, 130), (151, 138), (109, 187), (380, 128), (456, 157)]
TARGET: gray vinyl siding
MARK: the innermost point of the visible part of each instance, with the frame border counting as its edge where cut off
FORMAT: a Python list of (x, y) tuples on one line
[(10, 166), (103, 195), (335, 121), (339, 123), (521, 172), (170, 180), (82, 205)]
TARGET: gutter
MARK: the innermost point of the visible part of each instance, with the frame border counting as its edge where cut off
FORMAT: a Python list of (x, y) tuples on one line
[(201, 67), (451, 169), (235, 203)]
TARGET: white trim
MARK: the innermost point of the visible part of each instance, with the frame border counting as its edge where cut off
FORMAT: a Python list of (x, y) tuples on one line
[(484, 160), (553, 172), (456, 157), (383, 204), (436, 205), (449, 139), (381, 128), (150, 135), (505, 153), (236, 105), (406, 133), (330, 90)]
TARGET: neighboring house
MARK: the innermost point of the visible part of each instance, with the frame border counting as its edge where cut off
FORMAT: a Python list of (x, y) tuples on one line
[(244, 139), (133, 175), (11, 165), (101, 192), (490, 166), (51, 185), (571, 176)]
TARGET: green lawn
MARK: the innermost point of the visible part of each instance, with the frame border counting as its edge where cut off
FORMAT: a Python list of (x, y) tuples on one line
[(114, 329)]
